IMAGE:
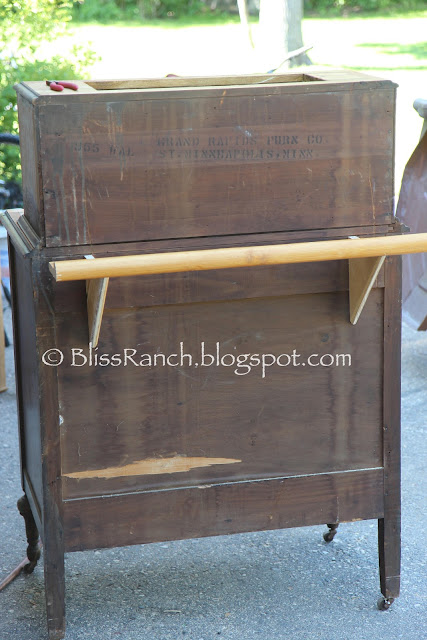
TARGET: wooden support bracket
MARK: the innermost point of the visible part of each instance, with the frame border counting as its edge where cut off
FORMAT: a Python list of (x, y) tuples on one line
[(96, 292), (361, 277)]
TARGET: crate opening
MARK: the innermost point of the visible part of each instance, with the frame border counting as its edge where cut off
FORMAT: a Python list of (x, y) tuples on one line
[(200, 81)]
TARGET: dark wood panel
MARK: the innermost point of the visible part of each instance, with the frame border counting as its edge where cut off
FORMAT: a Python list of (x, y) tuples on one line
[(227, 284), (183, 167), (389, 526), (26, 368), (52, 532), (222, 509), (133, 414), (208, 286), (36, 507), (30, 162), (34, 333), (214, 242)]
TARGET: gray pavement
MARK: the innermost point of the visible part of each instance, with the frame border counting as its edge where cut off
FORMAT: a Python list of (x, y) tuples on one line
[(277, 585)]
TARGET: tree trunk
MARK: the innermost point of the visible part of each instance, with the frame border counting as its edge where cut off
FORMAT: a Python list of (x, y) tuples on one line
[(280, 31), (295, 14)]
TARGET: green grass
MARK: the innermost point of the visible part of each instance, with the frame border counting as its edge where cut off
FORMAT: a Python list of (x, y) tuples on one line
[(212, 19), (204, 19), (374, 44), (415, 52), (358, 41), (418, 10), (194, 47)]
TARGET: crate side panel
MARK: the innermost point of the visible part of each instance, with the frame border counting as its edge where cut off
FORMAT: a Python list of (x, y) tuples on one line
[(151, 169), (30, 163)]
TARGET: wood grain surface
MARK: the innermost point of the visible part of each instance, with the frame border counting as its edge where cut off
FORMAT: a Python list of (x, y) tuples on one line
[(132, 442), (389, 527), (209, 161), (222, 509), (134, 413)]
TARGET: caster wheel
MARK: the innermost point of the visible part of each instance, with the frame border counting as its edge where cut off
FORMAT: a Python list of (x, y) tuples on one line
[(385, 603)]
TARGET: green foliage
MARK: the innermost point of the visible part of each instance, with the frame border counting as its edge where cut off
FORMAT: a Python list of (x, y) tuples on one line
[(26, 22), (101, 10), (24, 26), (168, 8), (110, 10), (107, 11), (356, 6)]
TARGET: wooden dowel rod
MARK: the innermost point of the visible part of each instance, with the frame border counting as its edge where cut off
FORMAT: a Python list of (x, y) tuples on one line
[(203, 260)]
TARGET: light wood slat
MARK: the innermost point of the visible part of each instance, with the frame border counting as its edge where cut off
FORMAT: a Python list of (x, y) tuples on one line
[(96, 292), (196, 81), (362, 273), (234, 257)]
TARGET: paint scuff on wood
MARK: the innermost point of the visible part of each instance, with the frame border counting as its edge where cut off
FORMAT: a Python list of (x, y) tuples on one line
[(152, 466)]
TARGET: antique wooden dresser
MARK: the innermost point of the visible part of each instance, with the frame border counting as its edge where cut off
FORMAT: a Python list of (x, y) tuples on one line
[(215, 397)]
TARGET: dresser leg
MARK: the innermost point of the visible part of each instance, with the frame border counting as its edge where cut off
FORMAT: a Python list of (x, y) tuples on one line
[(54, 580), (389, 526), (55, 595), (330, 535), (389, 559), (33, 549)]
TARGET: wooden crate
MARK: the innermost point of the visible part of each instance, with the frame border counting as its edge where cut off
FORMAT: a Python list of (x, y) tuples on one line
[(120, 164), (121, 455)]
